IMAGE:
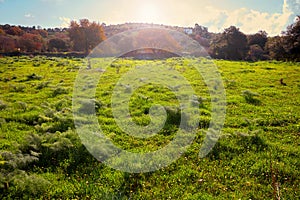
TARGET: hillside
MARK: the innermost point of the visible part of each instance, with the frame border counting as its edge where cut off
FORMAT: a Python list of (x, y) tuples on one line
[(42, 157)]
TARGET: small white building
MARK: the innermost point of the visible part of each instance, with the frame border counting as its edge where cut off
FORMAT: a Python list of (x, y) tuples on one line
[(188, 31)]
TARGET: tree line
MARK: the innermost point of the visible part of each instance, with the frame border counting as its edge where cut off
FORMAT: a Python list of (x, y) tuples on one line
[(232, 44), (83, 36)]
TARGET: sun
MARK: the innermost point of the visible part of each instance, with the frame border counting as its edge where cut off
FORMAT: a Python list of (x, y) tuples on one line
[(148, 13)]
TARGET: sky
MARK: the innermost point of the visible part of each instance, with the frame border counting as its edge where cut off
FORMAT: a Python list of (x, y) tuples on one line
[(250, 16)]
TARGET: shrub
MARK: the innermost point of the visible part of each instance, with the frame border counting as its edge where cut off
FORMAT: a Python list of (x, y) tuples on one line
[(28, 186), (51, 148)]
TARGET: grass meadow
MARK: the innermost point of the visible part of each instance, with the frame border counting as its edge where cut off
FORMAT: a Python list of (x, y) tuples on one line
[(256, 157)]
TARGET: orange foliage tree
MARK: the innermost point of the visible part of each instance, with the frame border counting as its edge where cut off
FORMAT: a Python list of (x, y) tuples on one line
[(85, 35)]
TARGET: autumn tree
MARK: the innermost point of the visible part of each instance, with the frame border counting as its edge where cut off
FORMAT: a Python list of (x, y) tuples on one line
[(7, 44), (40, 32), (14, 30), (2, 32), (85, 35), (31, 42)]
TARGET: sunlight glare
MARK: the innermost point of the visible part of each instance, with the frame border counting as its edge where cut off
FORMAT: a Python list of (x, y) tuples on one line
[(148, 13)]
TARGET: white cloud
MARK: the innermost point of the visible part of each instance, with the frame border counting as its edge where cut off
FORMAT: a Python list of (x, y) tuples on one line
[(65, 22), (215, 17), (292, 5), (251, 21), (28, 15)]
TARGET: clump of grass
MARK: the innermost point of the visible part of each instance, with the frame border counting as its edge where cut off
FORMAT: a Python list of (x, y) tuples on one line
[(2, 121), (17, 88), (59, 91), (62, 104), (22, 105), (174, 115), (42, 85), (36, 64), (89, 106), (6, 79), (32, 77), (231, 83), (62, 63), (197, 101), (128, 89), (2, 105), (250, 97)]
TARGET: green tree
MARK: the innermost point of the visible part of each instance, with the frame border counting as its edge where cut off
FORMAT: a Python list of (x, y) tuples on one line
[(287, 46), (57, 44), (256, 53), (292, 36), (259, 38), (232, 44), (275, 47)]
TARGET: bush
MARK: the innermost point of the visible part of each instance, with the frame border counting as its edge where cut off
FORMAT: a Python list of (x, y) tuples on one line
[(28, 186), (51, 148)]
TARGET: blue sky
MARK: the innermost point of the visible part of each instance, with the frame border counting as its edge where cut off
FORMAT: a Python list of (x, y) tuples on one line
[(250, 15)]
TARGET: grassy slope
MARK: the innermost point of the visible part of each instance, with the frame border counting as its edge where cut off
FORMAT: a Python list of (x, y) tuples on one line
[(256, 133)]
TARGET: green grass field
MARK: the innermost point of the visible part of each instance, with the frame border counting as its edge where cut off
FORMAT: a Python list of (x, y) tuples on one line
[(41, 156)]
